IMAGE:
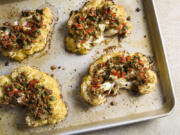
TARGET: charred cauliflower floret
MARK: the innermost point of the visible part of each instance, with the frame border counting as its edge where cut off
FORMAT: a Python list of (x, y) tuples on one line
[(27, 35), (37, 91), (96, 20), (118, 70)]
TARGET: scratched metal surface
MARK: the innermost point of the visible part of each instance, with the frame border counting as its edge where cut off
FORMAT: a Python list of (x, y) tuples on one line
[(74, 67)]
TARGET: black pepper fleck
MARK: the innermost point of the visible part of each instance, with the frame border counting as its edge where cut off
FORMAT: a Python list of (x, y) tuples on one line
[(129, 18), (112, 103), (6, 63), (138, 9)]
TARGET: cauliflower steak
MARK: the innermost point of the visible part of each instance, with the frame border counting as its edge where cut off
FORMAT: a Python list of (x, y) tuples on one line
[(114, 71), (96, 20), (27, 35), (37, 91)]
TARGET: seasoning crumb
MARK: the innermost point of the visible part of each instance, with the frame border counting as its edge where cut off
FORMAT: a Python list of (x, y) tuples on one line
[(53, 67), (109, 49), (63, 68), (52, 75), (59, 67), (138, 9), (112, 103), (145, 36), (144, 17), (6, 63), (150, 59), (0, 118), (129, 18), (106, 42), (75, 70)]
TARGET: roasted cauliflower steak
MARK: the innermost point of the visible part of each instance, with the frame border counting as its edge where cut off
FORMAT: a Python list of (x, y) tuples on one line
[(37, 92), (26, 36), (94, 21), (115, 71)]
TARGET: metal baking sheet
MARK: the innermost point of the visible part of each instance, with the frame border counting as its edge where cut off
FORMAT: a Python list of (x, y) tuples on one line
[(145, 38)]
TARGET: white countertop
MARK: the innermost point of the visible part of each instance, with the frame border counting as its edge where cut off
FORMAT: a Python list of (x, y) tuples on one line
[(169, 17)]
